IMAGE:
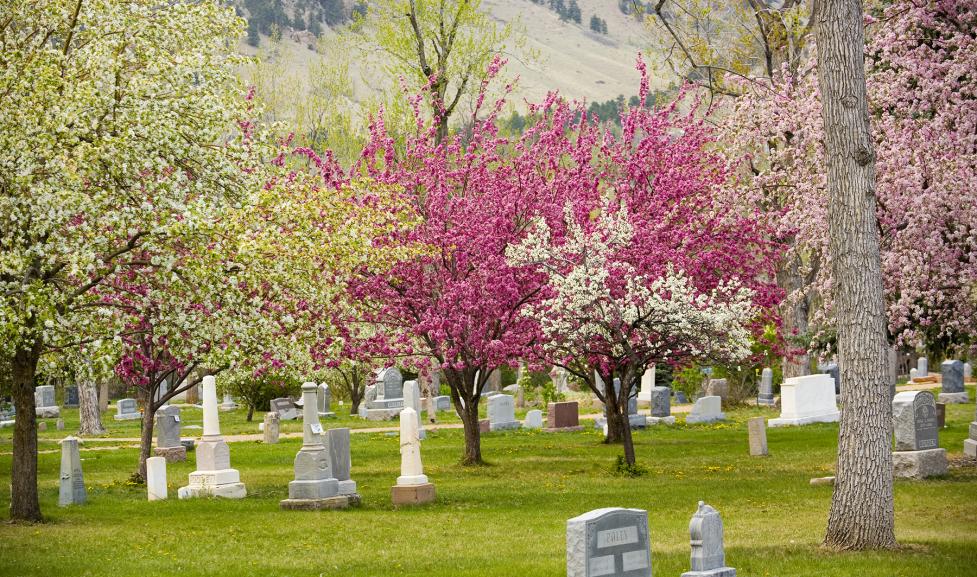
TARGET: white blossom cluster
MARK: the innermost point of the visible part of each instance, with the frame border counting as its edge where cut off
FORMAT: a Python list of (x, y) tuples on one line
[(599, 305)]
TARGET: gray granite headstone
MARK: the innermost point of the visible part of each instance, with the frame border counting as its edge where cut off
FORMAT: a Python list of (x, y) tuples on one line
[(832, 370), (44, 396), (285, 407), (126, 410), (339, 453), (442, 403), (324, 401), (661, 401), (391, 384), (609, 542), (952, 376), (766, 387), (71, 396), (502, 413), (72, 489), (706, 536), (922, 367), (168, 426), (915, 421)]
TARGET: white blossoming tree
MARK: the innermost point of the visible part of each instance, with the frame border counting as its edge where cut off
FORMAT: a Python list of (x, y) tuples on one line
[(608, 315)]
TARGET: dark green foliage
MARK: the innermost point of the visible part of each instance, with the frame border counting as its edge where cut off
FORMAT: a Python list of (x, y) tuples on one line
[(333, 11), (254, 38), (598, 24)]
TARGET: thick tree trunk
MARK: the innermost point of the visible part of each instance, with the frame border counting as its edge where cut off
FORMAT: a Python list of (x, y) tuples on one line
[(473, 436), (145, 442), (861, 514), (24, 504), (616, 423), (89, 415), (465, 395), (250, 413)]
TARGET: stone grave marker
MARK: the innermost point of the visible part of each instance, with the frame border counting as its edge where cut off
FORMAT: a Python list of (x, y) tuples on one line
[(126, 410), (757, 428), (71, 396), (952, 391), (285, 407), (970, 443), (833, 371), (168, 427), (609, 542), (72, 487), (917, 454), (44, 404), (706, 537), (922, 367), (272, 426), (413, 487), (661, 406), (766, 387), (502, 413), (563, 416), (324, 401), (706, 410), (342, 463), (534, 420), (156, 478), (807, 399)]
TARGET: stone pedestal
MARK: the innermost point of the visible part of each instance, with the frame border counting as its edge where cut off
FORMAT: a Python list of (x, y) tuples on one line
[(271, 428), (314, 486), (669, 420), (919, 464), (72, 488), (706, 410), (808, 399), (171, 454), (954, 398), (214, 476), (412, 494), (765, 396), (156, 478)]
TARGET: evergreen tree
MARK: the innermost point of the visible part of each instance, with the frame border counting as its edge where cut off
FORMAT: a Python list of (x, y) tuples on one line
[(254, 38), (573, 12)]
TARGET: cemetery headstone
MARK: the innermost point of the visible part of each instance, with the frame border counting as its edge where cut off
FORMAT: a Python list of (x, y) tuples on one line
[(60, 424), (285, 407), (271, 427), (314, 486), (494, 382), (413, 487), (484, 426), (502, 413), (214, 476), (156, 478), (324, 401), (833, 371), (968, 372), (757, 428), (706, 410), (564, 416), (42, 426), (609, 542), (71, 396), (442, 403), (228, 403), (970, 443), (807, 399), (168, 428), (680, 397), (766, 387), (647, 385), (952, 391), (941, 415), (342, 463), (706, 536), (389, 395), (917, 453), (126, 410), (661, 406), (412, 399), (913, 374), (72, 487), (44, 404), (534, 420), (922, 367)]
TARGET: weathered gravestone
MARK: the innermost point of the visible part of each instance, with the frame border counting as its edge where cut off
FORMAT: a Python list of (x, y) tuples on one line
[(126, 410), (563, 417), (766, 387), (324, 401), (72, 489), (44, 404), (285, 407), (970, 443), (442, 403), (413, 487), (314, 486), (922, 367), (661, 406), (609, 542), (388, 396), (214, 476), (757, 428), (502, 413), (807, 399), (706, 410), (534, 420), (342, 463), (71, 396), (168, 443), (917, 453), (952, 390), (156, 478), (833, 371), (412, 399), (706, 536), (271, 427)]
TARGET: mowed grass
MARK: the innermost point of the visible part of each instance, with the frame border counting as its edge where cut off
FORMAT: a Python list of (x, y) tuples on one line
[(504, 519)]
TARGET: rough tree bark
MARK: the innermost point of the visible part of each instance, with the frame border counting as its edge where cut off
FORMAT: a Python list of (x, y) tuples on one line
[(24, 504), (145, 441), (616, 413), (89, 415), (861, 515), (465, 395)]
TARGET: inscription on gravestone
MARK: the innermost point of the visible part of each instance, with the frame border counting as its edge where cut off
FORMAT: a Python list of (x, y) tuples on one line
[(926, 425), (609, 542)]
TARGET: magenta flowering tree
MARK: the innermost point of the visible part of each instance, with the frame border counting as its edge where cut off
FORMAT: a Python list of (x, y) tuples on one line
[(648, 264), (923, 102)]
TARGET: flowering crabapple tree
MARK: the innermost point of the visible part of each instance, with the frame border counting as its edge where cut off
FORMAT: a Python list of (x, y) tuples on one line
[(923, 114), (112, 112)]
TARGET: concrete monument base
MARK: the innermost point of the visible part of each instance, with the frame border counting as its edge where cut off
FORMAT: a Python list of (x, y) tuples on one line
[(313, 489), (225, 483), (669, 420), (830, 417), (337, 502), (53, 412), (381, 414), (126, 417), (919, 464), (505, 426), (563, 429), (720, 572), (412, 494), (327, 414), (172, 454), (953, 398)]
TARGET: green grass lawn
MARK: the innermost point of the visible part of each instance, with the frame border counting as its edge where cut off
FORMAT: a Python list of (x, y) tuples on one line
[(505, 519)]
